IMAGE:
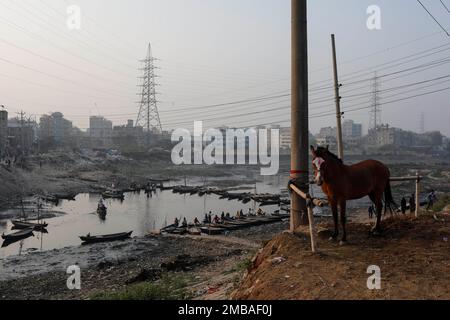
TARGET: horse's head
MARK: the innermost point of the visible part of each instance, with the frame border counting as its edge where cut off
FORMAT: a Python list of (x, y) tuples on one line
[(319, 164)]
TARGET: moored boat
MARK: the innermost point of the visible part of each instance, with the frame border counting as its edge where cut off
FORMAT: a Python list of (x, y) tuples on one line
[(106, 238), (20, 225), (19, 235), (212, 231)]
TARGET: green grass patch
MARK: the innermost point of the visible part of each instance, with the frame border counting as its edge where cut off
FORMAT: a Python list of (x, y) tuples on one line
[(442, 202), (240, 266), (169, 287)]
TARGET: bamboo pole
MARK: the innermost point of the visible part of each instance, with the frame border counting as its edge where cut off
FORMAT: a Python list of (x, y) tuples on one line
[(316, 202), (417, 194), (311, 226)]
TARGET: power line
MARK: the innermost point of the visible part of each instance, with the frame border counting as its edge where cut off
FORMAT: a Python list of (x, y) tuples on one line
[(433, 17), (446, 8)]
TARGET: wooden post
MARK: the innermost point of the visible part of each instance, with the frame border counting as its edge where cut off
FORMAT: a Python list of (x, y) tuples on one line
[(311, 225), (417, 194), (338, 101), (299, 112)]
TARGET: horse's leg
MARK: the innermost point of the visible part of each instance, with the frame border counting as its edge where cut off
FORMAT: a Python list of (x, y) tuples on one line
[(379, 207), (343, 206), (334, 209)]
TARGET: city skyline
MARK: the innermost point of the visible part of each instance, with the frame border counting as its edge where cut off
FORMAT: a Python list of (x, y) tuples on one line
[(92, 71)]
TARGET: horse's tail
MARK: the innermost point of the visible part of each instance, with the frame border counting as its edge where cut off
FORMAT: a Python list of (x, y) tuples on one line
[(389, 201)]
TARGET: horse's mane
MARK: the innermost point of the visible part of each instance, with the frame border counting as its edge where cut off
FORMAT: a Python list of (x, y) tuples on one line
[(332, 155)]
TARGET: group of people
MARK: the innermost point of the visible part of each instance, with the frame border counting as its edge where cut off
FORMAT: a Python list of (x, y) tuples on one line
[(411, 203), (216, 219)]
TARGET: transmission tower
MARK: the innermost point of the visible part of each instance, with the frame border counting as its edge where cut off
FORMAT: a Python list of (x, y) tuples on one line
[(375, 112), (148, 116)]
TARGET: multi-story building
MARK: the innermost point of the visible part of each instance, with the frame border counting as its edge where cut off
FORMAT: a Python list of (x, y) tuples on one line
[(100, 131), (3, 131), (128, 134), (385, 135), (55, 129), (285, 138), (350, 129), (21, 135), (329, 141), (327, 132)]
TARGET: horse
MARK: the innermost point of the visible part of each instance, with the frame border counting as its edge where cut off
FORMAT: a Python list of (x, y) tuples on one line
[(341, 183)]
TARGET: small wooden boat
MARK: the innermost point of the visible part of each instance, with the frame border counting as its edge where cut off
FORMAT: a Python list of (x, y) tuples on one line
[(113, 194), (20, 225), (212, 231), (19, 235), (50, 198), (106, 238), (195, 231)]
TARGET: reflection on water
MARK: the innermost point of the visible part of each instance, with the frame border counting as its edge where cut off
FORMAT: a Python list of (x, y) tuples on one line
[(137, 213)]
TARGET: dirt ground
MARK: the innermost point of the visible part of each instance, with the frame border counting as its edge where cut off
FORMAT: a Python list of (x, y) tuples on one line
[(413, 255)]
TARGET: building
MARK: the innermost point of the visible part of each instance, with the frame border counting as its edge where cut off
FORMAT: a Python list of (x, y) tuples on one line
[(285, 138), (21, 136), (350, 129), (128, 135), (329, 141), (3, 131), (100, 131), (327, 132), (54, 129), (385, 135)]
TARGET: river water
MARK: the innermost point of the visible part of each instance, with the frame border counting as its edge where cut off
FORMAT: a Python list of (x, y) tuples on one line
[(137, 213)]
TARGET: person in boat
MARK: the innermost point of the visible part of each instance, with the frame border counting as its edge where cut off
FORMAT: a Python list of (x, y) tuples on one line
[(196, 222), (260, 212), (101, 205), (206, 219), (238, 214), (210, 217), (216, 220), (242, 214), (228, 216), (403, 205), (185, 223), (176, 222), (222, 217)]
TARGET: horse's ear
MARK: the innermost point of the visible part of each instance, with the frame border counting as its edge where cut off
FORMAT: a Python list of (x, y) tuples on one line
[(313, 151)]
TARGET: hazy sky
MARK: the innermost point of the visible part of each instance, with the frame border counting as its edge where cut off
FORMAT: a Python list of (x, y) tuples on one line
[(219, 51)]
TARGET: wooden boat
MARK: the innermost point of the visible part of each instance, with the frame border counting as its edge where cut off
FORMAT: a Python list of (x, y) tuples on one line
[(20, 225), (212, 231), (113, 194), (50, 198), (195, 231), (169, 227), (19, 235), (106, 238)]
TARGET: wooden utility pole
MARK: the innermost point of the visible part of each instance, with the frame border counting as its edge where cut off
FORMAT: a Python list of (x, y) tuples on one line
[(299, 112), (338, 101)]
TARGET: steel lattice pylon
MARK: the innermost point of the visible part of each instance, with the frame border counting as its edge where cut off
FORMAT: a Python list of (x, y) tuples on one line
[(148, 116), (375, 113)]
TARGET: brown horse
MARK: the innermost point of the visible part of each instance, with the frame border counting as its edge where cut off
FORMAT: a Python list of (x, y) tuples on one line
[(341, 183)]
